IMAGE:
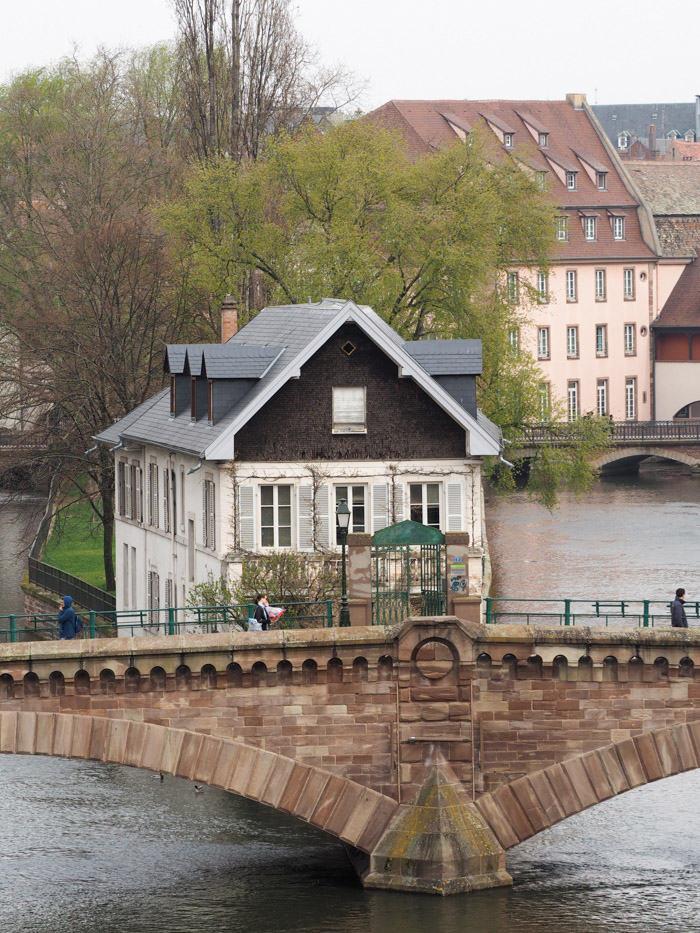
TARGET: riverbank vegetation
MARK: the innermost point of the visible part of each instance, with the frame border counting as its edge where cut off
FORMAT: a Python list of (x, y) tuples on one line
[(76, 544)]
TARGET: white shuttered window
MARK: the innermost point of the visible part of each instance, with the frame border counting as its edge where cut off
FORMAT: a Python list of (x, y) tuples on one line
[(349, 410), (209, 514)]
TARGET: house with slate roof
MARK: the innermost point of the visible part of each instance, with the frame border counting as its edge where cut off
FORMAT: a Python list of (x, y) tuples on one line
[(256, 440)]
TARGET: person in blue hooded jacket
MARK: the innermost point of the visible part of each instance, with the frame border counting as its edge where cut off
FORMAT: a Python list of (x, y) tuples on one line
[(66, 618)]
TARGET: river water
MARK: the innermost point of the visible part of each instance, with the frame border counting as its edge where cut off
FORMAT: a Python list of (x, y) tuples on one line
[(89, 846)]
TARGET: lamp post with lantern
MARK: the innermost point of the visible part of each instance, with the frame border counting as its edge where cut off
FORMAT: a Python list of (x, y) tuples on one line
[(342, 523)]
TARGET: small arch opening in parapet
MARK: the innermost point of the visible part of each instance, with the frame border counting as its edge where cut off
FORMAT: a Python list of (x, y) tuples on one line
[(483, 664), (359, 669), (234, 675), (258, 674), (284, 672), (686, 667), (7, 686), (157, 678), (534, 667), (509, 667), (309, 671), (661, 669), (610, 670), (560, 668), (334, 671), (31, 685), (635, 669), (207, 677), (57, 684), (132, 680), (385, 667), (585, 667), (108, 682), (183, 677), (81, 683)]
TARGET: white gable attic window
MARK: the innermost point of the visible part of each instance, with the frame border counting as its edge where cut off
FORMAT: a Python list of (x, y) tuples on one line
[(349, 411)]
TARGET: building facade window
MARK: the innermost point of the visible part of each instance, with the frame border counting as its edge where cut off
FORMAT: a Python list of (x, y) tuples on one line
[(153, 495), (542, 343), (590, 228), (571, 181), (601, 180), (153, 593), (628, 284), (572, 400), (600, 284), (623, 141), (276, 516), (572, 342), (630, 398), (618, 228), (545, 401), (349, 410), (601, 340), (602, 397), (425, 503), (571, 285), (209, 514), (513, 287), (508, 140), (562, 229), (544, 140), (630, 340), (514, 340), (356, 498), (542, 287)]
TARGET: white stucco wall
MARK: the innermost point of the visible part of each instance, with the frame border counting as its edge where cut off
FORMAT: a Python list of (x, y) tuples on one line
[(677, 384)]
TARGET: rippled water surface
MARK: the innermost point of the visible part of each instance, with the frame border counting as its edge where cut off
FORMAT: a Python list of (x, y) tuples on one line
[(87, 846)]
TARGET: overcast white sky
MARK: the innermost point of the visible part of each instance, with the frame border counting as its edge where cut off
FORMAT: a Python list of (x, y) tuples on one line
[(616, 51)]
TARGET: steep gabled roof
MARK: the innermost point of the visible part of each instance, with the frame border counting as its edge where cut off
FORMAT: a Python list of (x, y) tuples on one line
[(447, 357), (300, 331), (219, 360)]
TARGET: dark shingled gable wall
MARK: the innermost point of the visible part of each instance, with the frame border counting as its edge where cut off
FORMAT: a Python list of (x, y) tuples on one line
[(402, 421)]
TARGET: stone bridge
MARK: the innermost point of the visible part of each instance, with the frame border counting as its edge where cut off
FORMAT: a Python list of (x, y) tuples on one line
[(429, 748)]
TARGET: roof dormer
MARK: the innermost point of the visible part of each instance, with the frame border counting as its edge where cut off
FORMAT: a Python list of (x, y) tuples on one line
[(504, 131), (537, 130), (457, 125)]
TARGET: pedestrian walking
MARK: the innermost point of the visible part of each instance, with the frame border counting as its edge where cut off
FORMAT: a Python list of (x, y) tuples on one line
[(678, 617), (262, 616), (66, 618)]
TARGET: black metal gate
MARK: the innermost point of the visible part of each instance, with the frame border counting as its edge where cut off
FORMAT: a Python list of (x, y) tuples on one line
[(408, 567)]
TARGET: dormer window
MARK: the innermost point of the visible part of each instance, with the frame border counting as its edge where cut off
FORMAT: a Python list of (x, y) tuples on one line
[(349, 411), (623, 141), (508, 140), (690, 136), (571, 181), (544, 140), (541, 180), (589, 228), (601, 180), (618, 225)]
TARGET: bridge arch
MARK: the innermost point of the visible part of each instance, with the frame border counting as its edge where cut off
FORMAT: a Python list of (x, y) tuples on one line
[(339, 806), (531, 804), (619, 456)]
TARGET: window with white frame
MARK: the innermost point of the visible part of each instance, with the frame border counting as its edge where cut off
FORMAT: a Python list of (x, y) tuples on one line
[(513, 287), (541, 180), (545, 401), (602, 397), (166, 500), (601, 340), (153, 592), (571, 285), (169, 592), (572, 400), (628, 284), (618, 225), (356, 498), (630, 398), (572, 342), (508, 140), (590, 228), (600, 284), (425, 503), (601, 180), (514, 340), (544, 140), (630, 340), (542, 343), (350, 410), (542, 287), (562, 229), (571, 180), (209, 514), (276, 516), (153, 494), (623, 141)]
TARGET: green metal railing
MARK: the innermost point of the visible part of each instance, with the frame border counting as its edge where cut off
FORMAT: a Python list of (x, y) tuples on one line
[(168, 621), (645, 613)]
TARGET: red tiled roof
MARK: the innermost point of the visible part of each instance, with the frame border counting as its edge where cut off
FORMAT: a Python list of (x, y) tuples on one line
[(682, 308), (680, 151), (425, 129)]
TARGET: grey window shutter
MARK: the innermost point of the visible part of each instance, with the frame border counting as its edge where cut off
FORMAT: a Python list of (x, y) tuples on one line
[(211, 515), (323, 498), (149, 594), (205, 523), (156, 591), (166, 502), (127, 492), (380, 506), (139, 494), (121, 506), (455, 520), (399, 502), (305, 516), (246, 517)]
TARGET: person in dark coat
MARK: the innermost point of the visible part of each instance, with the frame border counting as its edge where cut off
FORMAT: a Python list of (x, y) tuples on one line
[(261, 614), (66, 618), (678, 617)]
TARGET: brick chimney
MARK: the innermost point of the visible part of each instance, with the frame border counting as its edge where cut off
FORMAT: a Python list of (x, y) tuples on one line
[(229, 318), (652, 140)]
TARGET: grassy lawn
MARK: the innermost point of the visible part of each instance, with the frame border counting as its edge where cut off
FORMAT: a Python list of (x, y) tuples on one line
[(75, 545)]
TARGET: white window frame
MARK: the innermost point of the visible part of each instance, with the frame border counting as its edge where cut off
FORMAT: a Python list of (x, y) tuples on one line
[(508, 140), (571, 181), (630, 339), (628, 284), (623, 141), (601, 340), (209, 513), (571, 285), (630, 398), (572, 408), (514, 340), (425, 504), (618, 225), (543, 343), (543, 140), (572, 342), (276, 506), (349, 410), (513, 287), (600, 291), (601, 181), (562, 229), (590, 229), (352, 489), (545, 401), (602, 397), (153, 504), (542, 287)]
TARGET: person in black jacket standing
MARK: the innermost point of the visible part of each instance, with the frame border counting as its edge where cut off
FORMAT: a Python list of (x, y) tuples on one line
[(678, 617), (261, 614)]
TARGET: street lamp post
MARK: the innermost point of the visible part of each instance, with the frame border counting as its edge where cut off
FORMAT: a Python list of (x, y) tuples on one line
[(342, 523)]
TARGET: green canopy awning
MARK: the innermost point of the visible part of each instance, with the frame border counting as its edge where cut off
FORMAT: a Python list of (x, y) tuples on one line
[(407, 532)]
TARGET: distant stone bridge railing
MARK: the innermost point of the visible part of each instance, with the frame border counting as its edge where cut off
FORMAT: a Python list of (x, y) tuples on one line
[(382, 737)]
